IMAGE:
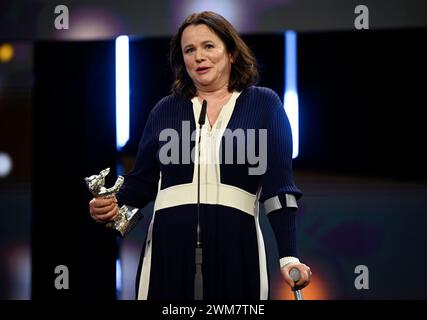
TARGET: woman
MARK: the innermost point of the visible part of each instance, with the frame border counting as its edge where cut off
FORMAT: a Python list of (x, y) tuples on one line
[(212, 63)]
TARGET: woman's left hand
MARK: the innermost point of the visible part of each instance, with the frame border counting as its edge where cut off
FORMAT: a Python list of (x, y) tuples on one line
[(305, 274)]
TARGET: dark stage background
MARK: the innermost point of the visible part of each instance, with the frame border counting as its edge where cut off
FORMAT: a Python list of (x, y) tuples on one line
[(73, 137), (361, 160), (360, 165)]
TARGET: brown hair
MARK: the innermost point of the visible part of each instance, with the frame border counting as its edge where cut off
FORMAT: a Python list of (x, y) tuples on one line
[(244, 72)]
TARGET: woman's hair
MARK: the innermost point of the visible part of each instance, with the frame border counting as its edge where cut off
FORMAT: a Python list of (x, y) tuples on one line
[(244, 72)]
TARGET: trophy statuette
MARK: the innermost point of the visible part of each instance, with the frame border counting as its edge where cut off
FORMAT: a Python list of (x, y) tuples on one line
[(128, 216)]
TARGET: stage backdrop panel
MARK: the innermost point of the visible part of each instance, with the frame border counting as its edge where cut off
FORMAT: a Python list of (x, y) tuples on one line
[(73, 137)]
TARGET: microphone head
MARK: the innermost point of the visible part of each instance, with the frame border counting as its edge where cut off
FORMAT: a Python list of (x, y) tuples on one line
[(295, 274), (202, 116)]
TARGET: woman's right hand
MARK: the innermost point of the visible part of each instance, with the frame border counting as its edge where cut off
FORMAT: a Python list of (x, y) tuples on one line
[(103, 210)]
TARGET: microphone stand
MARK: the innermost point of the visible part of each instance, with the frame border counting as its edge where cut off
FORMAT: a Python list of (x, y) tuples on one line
[(198, 277)]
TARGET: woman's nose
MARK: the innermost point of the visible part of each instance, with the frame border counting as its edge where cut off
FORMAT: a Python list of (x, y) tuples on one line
[(199, 55)]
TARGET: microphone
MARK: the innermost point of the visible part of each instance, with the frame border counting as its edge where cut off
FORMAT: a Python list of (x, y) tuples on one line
[(295, 275), (198, 277), (202, 116)]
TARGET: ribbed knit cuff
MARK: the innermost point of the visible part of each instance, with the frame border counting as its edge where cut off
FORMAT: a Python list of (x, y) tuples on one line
[(285, 260)]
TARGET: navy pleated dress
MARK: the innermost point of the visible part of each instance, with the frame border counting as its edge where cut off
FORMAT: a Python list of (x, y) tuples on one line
[(236, 174)]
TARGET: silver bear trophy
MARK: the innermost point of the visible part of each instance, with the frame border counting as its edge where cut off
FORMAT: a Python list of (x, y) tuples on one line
[(128, 216)]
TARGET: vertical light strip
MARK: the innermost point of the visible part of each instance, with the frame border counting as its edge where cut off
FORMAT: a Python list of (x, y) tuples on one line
[(291, 89), (118, 278), (122, 91), (122, 116)]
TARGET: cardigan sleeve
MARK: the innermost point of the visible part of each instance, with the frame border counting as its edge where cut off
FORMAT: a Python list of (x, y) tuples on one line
[(278, 177), (141, 183), (278, 180)]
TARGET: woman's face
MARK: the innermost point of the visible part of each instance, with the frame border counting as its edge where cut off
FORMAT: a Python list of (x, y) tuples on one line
[(206, 58)]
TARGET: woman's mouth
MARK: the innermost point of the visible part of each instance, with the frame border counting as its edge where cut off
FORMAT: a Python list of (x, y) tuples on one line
[(202, 70)]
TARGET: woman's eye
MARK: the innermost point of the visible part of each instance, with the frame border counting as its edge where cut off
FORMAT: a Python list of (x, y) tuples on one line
[(189, 50), (209, 46)]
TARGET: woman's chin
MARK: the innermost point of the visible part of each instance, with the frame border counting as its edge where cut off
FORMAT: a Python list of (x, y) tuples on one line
[(204, 82)]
